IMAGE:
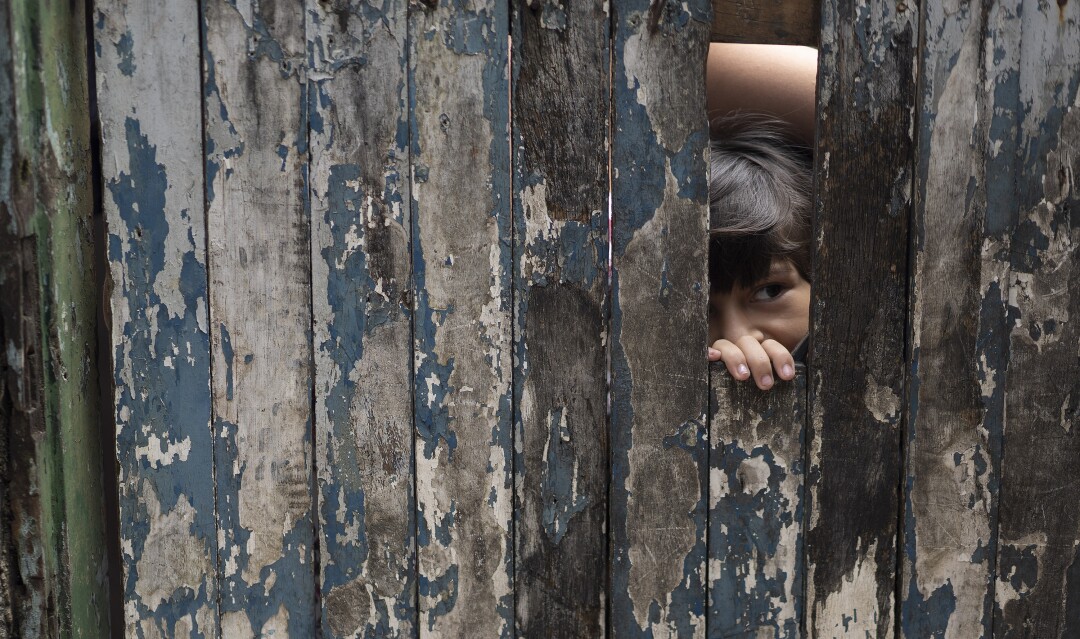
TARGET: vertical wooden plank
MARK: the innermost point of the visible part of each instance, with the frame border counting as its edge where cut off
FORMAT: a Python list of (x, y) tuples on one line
[(756, 507), (260, 314), (658, 331), (149, 106), (560, 123), (49, 391), (362, 315), (461, 261), (17, 404), (1036, 239), (952, 436), (866, 91)]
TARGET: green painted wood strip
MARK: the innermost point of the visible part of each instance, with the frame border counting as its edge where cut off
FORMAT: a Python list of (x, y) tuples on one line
[(260, 314), (560, 106), (459, 97), (756, 508), (951, 462), (362, 314), (149, 104), (53, 506), (866, 93), (659, 294), (1032, 236)]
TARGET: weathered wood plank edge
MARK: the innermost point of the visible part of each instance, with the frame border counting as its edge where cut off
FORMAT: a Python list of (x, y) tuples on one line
[(788, 22)]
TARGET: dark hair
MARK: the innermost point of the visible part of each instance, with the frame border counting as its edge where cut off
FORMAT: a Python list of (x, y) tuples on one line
[(759, 201)]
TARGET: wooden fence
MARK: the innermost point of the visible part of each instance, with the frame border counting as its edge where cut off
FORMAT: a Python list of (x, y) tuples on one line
[(335, 280)]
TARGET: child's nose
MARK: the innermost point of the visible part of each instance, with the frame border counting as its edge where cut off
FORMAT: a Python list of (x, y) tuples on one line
[(734, 324)]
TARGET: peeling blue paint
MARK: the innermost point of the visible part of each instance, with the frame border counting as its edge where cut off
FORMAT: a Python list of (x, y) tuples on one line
[(171, 404), (558, 479), (127, 58)]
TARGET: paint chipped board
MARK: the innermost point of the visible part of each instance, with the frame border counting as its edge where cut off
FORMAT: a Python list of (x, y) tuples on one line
[(767, 21), (953, 428), (858, 313), (52, 507), (260, 314), (362, 316), (149, 91), (755, 506), (560, 116), (659, 298), (460, 149), (1031, 261)]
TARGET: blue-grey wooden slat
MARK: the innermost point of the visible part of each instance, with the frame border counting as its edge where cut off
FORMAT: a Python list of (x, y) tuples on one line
[(149, 101), (953, 426), (561, 98), (658, 329), (362, 283), (756, 507), (865, 95), (460, 150), (1031, 235), (260, 314)]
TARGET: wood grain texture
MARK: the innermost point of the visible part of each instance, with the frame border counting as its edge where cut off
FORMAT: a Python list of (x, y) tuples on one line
[(953, 428), (767, 21), (362, 314), (560, 123), (756, 509), (260, 314), (53, 513), (659, 298), (858, 313), (460, 150), (1031, 239), (149, 106)]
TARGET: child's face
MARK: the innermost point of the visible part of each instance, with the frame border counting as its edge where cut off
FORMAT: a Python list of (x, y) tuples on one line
[(776, 307)]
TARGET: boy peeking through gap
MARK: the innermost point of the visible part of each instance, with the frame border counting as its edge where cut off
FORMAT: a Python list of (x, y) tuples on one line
[(760, 198), (759, 249)]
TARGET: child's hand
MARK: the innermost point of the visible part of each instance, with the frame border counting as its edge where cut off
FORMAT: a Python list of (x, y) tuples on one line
[(746, 356)]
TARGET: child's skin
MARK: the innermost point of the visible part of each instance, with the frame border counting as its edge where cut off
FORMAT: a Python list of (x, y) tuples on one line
[(754, 329)]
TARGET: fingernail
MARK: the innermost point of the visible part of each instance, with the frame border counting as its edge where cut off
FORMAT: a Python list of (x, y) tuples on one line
[(767, 380), (788, 371), (743, 370)]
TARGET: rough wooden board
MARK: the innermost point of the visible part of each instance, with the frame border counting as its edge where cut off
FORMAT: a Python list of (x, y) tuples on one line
[(148, 78), (461, 261), (950, 451), (561, 99), (56, 527), (362, 314), (767, 21), (1033, 240), (866, 91), (756, 507), (16, 403), (260, 315), (659, 298)]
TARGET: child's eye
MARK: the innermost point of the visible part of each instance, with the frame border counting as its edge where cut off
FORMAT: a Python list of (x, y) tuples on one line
[(768, 292)]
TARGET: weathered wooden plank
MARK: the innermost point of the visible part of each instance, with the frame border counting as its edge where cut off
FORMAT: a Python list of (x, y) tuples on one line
[(659, 298), (950, 452), (767, 21), (560, 122), (260, 314), (149, 107), (756, 507), (53, 511), (462, 326), (1033, 238), (362, 314), (866, 91)]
